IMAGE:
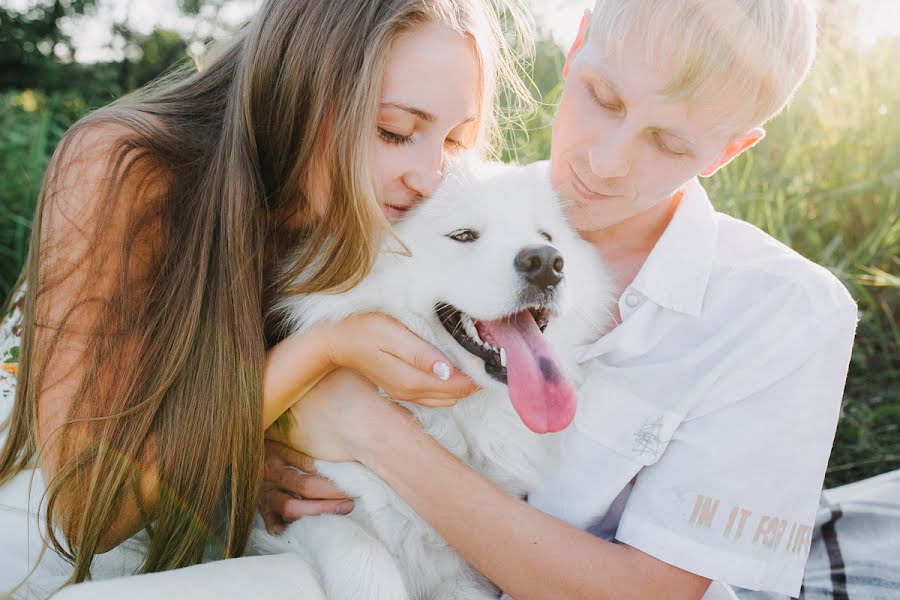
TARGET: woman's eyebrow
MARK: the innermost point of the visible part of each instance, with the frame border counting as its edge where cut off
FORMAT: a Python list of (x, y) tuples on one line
[(425, 116), (418, 112)]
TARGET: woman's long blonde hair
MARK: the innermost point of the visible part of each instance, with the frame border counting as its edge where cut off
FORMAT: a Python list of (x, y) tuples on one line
[(174, 360)]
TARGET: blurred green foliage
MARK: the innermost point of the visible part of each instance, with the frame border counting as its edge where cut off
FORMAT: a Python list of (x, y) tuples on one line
[(825, 181)]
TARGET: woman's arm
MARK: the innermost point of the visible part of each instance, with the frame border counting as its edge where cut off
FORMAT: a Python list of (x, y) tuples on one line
[(293, 367), (78, 275), (526, 552), (378, 347)]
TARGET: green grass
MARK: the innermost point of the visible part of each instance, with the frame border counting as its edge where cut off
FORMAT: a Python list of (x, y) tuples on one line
[(31, 124), (825, 181)]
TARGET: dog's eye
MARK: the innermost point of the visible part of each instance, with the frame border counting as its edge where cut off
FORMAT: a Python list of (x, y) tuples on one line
[(463, 235), (547, 236)]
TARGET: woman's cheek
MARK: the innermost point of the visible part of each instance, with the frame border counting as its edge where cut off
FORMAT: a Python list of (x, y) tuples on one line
[(388, 164)]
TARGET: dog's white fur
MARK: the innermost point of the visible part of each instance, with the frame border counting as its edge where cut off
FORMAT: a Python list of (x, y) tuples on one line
[(384, 550)]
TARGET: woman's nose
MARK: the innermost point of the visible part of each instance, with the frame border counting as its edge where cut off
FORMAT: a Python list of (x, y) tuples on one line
[(425, 177)]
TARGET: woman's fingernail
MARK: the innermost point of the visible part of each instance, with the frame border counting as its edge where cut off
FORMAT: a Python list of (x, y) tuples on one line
[(345, 507), (442, 370)]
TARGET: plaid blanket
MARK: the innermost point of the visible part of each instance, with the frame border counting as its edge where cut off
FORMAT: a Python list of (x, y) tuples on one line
[(855, 552)]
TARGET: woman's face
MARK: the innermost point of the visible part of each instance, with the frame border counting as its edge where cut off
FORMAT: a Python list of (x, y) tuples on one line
[(430, 96)]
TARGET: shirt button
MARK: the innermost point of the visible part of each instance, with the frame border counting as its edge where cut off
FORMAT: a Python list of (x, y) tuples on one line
[(632, 300)]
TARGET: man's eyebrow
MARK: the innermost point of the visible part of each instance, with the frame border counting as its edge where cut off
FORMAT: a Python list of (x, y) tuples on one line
[(425, 116)]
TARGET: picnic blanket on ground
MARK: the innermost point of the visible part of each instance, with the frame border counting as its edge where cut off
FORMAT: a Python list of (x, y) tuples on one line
[(855, 551)]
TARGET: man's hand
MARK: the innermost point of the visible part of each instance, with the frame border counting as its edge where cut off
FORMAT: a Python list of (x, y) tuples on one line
[(329, 422), (292, 489)]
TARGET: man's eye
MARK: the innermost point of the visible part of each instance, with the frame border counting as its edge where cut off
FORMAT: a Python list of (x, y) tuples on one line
[(665, 149), (393, 138), (463, 235), (599, 101), (547, 236)]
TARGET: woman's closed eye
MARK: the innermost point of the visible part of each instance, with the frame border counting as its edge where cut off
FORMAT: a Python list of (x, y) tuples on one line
[(454, 144), (398, 139)]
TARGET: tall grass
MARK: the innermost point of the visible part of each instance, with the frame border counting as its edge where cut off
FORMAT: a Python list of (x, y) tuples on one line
[(31, 124), (825, 181)]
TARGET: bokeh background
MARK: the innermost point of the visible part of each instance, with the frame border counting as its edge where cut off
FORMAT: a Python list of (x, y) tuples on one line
[(825, 181)]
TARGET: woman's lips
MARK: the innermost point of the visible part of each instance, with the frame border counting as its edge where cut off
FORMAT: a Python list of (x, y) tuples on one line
[(395, 213), (587, 193)]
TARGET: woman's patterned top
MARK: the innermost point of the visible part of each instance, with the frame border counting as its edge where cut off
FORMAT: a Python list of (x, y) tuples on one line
[(10, 339)]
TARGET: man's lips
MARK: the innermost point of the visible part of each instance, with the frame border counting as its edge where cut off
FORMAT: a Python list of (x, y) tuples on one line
[(582, 189)]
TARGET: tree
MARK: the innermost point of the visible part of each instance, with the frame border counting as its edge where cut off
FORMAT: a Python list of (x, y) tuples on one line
[(31, 42)]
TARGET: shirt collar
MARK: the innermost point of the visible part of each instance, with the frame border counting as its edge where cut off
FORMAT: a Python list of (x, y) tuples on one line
[(676, 272)]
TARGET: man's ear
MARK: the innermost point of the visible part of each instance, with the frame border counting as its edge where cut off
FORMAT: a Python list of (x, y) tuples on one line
[(734, 149), (579, 42)]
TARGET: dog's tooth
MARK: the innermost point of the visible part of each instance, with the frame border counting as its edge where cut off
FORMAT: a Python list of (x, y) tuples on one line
[(503, 357), (471, 331)]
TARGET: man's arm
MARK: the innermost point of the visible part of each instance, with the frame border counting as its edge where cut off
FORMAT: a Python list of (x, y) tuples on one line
[(526, 552)]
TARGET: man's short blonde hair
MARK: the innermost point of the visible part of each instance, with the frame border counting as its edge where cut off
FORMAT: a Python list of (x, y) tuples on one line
[(759, 50)]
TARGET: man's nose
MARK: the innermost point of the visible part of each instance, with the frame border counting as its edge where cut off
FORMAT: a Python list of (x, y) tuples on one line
[(610, 157)]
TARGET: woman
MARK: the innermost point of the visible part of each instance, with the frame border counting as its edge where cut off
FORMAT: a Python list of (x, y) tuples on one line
[(160, 224)]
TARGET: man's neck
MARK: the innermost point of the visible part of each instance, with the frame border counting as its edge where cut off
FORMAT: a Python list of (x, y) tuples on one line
[(637, 234), (625, 246)]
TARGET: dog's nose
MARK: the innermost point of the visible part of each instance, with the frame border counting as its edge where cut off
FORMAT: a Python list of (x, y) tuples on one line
[(541, 265)]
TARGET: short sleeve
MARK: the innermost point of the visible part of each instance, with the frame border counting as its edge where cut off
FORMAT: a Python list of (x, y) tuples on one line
[(734, 496)]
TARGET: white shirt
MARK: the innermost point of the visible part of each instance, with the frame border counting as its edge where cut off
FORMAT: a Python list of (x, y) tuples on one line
[(706, 421)]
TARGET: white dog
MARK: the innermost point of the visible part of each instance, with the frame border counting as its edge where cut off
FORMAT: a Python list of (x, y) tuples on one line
[(492, 264)]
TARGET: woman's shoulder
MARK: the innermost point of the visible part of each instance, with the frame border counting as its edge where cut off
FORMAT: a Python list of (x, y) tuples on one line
[(99, 176), (93, 151)]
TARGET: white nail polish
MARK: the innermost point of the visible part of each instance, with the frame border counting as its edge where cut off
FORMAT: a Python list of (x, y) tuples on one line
[(442, 370)]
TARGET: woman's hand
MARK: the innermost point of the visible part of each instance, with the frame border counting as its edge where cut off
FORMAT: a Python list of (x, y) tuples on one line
[(392, 357), (375, 346)]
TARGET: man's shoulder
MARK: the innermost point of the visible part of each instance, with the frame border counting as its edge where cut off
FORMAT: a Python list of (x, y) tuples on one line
[(751, 262)]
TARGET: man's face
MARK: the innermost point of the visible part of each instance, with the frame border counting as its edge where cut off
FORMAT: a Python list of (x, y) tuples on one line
[(619, 148)]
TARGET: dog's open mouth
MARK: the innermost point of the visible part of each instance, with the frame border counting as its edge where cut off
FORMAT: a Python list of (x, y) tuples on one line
[(515, 353)]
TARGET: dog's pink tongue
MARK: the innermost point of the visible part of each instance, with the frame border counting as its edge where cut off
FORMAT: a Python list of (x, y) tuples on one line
[(538, 389)]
